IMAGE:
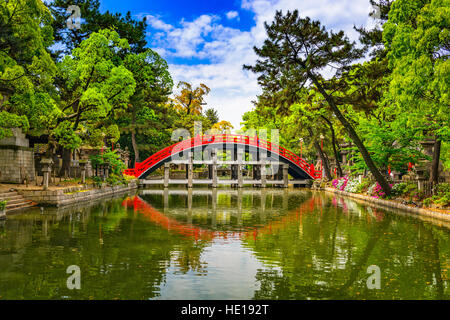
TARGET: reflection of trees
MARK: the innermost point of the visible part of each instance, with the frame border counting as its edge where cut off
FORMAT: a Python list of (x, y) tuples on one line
[(188, 255), (324, 253), (129, 263)]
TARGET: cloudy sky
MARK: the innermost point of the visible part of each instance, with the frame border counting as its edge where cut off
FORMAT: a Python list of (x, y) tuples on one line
[(208, 41)]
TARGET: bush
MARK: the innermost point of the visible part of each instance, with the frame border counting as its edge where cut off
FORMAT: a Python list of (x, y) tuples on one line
[(97, 181), (442, 196), (363, 186), (427, 202), (340, 183), (352, 185), (116, 180), (376, 191), (112, 159), (3, 205), (399, 189)]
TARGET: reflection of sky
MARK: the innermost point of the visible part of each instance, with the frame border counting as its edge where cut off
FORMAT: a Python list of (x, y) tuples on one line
[(231, 272)]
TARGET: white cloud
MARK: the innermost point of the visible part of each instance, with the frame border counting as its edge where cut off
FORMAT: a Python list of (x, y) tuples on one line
[(232, 15), (228, 49), (158, 24)]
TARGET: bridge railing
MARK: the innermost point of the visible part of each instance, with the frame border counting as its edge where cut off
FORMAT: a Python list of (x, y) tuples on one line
[(198, 141)]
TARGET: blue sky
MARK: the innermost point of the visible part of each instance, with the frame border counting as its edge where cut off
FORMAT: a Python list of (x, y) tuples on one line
[(209, 41)]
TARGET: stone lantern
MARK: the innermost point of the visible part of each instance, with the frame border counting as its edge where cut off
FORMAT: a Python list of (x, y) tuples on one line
[(46, 171), (83, 164)]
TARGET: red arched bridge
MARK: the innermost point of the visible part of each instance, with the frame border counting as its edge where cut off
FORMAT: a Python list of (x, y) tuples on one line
[(260, 153)]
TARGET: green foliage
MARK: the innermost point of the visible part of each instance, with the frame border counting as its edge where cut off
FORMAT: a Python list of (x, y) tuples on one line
[(417, 37), (352, 185), (363, 186), (26, 68), (116, 180), (10, 120), (94, 85), (441, 197), (146, 119), (3, 205), (97, 181), (94, 21), (399, 189), (66, 136), (212, 116), (110, 158)]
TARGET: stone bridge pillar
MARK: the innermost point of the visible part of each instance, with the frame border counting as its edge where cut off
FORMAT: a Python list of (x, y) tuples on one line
[(214, 168), (263, 173), (190, 169), (166, 174), (240, 154)]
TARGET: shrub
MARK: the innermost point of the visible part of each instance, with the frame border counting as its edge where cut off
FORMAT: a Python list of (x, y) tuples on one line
[(399, 189), (116, 180), (376, 191), (3, 205), (441, 197), (340, 183), (335, 183), (363, 186), (427, 202), (371, 188), (352, 185), (97, 181), (112, 159), (443, 189), (129, 178)]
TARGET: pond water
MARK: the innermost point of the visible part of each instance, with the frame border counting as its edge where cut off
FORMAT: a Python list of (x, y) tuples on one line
[(223, 244)]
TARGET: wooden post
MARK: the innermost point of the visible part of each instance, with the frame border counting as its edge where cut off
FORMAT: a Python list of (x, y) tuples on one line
[(166, 174)]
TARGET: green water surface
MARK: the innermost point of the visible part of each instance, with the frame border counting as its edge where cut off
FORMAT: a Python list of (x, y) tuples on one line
[(224, 244)]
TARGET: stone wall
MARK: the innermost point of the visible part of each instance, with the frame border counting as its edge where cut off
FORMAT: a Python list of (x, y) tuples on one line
[(16, 159), (392, 205), (73, 195)]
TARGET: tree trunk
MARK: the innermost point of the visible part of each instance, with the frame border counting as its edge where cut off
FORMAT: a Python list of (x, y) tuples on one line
[(65, 167), (434, 176), (324, 160), (333, 142), (354, 136), (133, 139)]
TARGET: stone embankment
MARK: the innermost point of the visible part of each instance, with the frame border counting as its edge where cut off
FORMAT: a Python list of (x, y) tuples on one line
[(71, 195), (392, 205)]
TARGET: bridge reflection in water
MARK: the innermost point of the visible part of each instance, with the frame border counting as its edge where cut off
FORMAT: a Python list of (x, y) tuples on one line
[(230, 217), (222, 244), (180, 219)]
